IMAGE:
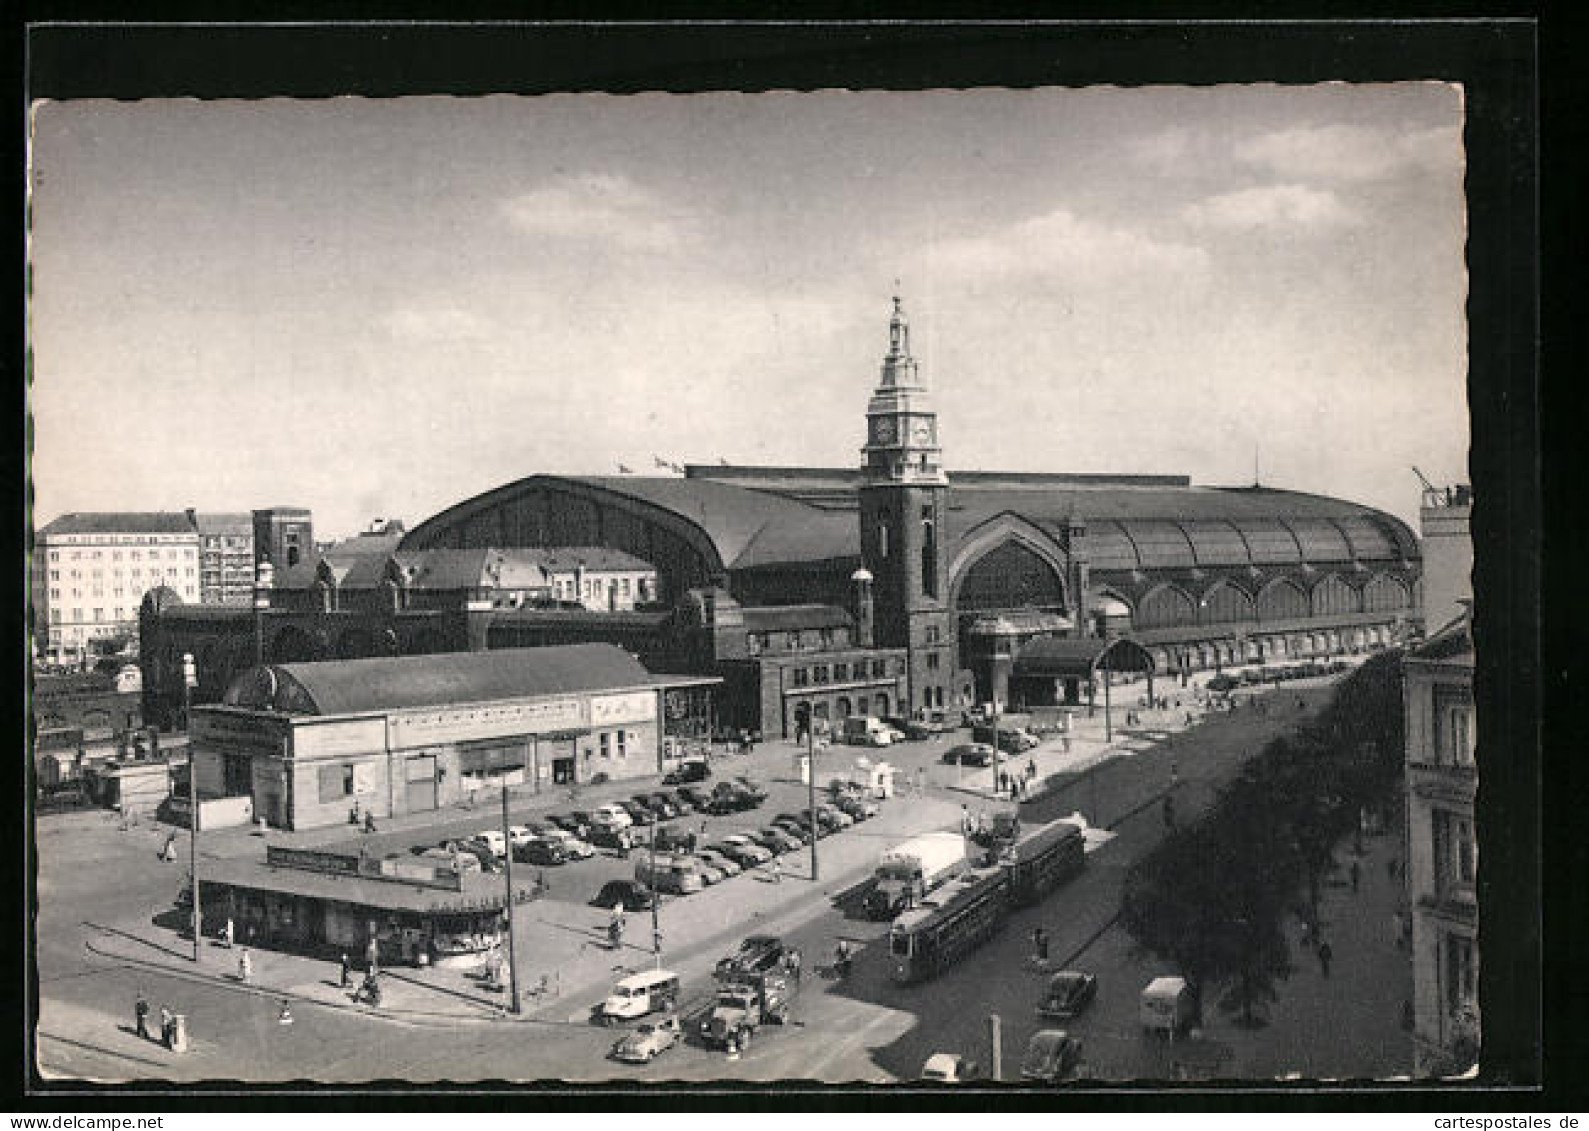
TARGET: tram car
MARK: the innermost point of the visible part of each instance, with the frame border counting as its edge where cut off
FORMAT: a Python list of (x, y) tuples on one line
[(960, 916)]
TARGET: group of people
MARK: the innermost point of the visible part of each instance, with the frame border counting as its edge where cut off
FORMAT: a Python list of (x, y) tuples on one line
[(168, 1022), (1017, 784)]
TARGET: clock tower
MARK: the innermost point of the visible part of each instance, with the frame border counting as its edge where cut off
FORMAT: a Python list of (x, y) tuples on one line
[(903, 496)]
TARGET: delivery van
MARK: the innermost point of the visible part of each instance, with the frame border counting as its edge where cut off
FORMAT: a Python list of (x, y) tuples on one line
[(1168, 1006), (676, 874)]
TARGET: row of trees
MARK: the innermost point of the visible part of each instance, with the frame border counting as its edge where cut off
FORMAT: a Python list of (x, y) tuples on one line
[(1214, 897)]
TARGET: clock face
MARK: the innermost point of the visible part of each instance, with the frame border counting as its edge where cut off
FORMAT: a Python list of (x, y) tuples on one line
[(885, 430), (922, 433)]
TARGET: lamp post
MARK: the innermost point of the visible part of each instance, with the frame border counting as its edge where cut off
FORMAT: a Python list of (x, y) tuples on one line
[(656, 918), (189, 679), (264, 576), (811, 793), (507, 882)]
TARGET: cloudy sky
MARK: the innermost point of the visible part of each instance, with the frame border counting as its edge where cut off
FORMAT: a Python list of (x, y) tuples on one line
[(378, 308)]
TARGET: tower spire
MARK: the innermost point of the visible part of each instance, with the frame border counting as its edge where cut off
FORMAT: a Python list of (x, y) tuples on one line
[(899, 368)]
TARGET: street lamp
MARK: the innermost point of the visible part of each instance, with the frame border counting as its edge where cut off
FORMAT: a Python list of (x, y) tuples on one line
[(264, 577), (189, 680), (507, 885), (811, 792)]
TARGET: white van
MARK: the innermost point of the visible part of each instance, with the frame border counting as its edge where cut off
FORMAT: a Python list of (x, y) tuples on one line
[(1168, 1006), (639, 994), (676, 874)]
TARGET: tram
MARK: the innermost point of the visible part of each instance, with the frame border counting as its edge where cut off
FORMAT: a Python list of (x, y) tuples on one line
[(960, 916)]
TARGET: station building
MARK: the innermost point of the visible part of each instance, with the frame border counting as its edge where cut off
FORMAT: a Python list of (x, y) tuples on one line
[(307, 742), (889, 588)]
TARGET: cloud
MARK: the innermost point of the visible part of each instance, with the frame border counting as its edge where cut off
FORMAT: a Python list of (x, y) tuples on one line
[(599, 206), (1061, 242), (1353, 153), (434, 324), (1277, 207)]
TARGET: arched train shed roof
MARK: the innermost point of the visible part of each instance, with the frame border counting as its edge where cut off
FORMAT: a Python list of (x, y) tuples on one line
[(339, 687)]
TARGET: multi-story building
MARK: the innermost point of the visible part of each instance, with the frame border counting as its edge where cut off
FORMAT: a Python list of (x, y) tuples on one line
[(1444, 520), (226, 557), (284, 536), (1442, 852), (90, 571)]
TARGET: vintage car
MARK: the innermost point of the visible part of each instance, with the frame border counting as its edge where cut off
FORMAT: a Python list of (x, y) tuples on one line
[(950, 1068), (649, 1041), (756, 955), (1051, 1055), (1068, 993)]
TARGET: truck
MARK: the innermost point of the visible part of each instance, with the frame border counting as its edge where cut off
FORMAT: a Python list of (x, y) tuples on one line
[(864, 730), (1000, 831), (746, 1000), (909, 871)]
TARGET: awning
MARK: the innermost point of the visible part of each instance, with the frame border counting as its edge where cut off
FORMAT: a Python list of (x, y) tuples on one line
[(1079, 657)]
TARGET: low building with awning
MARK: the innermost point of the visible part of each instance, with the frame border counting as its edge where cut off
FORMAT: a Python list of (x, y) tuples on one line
[(1052, 670)]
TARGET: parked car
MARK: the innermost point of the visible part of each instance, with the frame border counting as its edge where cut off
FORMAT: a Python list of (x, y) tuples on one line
[(751, 790), (494, 841), (950, 1068), (627, 893), (857, 807), (775, 840), (666, 807), (909, 730), (1223, 682), (1050, 1056), (970, 754), (610, 817), (834, 817), (578, 822), (649, 1041), (729, 799), (520, 835), (685, 772), (659, 810), (671, 838), (707, 868), (606, 837), (742, 851), (1068, 993), (697, 797), (540, 851), (640, 815), (577, 849), (472, 847), (756, 955), (795, 824), (714, 859)]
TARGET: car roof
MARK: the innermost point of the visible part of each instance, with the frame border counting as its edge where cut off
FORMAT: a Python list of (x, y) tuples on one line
[(1047, 1039)]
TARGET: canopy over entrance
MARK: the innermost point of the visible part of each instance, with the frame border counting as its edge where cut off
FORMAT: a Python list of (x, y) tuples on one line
[(1078, 658)]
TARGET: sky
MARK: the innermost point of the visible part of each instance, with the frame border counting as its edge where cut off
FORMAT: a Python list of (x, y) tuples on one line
[(378, 308)]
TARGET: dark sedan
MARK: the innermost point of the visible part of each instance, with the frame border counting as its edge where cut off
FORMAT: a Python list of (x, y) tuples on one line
[(540, 852), (639, 814), (969, 754), (698, 798), (792, 828), (776, 839), (756, 955), (630, 895), (1069, 992), (1050, 1056)]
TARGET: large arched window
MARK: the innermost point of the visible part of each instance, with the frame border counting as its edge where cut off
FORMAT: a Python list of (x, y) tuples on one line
[(1384, 593), (1225, 603), (1282, 600), (1333, 596), (1166, 608), (1011, 576)]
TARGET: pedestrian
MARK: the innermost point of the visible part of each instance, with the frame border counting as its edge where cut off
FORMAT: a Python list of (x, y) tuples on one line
[(169, 852), (353, 814), (168, 1025), (1325, 955), (245, 966), (284, 1017), (229, 933), (1169, 812), (369, 820), (777, 870), (792, 964), (1040, 942), (623, 844), (1031, 768), (1356, 874), (965, 819), (140, 1010), (347, 971), (1004, 782)]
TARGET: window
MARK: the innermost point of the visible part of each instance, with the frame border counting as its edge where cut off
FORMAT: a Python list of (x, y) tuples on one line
[(137, 555), (1453, 726), (754, 643), (55, 575), (55, 594), (623, 743), (1454, 853), (826, 636), (932, 634), (55, 555), (819, 674), (929, 553), (800, 676), (115, 555), (795, 640), (879, 669), (1461, 975), (882, 534), (624, 586), (606, 744), (932, 661), (841, 672), (336, 783), (99, 614)]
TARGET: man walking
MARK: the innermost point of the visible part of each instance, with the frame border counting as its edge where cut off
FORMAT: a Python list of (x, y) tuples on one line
[(140, 1010), (167, 1025), (1040, 942), (1356, 874), (1325, 955), (347, 972)]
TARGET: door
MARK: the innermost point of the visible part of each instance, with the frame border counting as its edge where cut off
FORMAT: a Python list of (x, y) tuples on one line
[(421, 783)]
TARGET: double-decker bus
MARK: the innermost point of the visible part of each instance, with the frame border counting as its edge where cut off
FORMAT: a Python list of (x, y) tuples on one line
[(961, 915)]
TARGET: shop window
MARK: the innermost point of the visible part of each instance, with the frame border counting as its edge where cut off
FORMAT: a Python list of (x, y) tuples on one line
[(491, 759)]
